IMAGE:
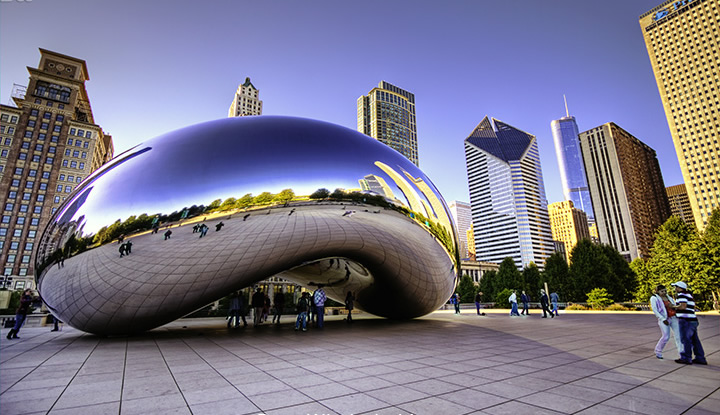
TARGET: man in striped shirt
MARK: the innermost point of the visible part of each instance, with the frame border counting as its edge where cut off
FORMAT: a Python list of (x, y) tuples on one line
[(685, 313)]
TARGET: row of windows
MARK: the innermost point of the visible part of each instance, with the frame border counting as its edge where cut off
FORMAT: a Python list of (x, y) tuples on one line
[(46, 116), (28, 184), (7, 118), (35, 158), (81, 133), (75, 153), (44, 126), (17, 233), (21, 220), (74, 164), (25, 259), (12, 195), (78, 143), (70, 178), (14, 245), (38, 147), (8, 130), (25, 207), (49, 103), (68, 189)]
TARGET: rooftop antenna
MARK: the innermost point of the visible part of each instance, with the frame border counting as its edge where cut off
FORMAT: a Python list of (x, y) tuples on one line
[(567, 114)]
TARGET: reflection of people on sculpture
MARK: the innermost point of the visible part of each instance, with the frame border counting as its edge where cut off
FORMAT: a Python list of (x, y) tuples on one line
[(291, 212), (203, 229), (128, 247), (122, 250), (167, 234), (195, 228), (257, 302), (121, 238), (155, 227), (349, 305), (219, 226), (247, 216)]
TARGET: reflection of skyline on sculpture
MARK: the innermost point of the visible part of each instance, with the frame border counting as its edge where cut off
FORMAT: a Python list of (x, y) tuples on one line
[(301, 172), (392, 231)]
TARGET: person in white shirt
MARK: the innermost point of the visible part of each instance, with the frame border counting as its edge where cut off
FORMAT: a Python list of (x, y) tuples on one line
[(664, 308), (513, 303)]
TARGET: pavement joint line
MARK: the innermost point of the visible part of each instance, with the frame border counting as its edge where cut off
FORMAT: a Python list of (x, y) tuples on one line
[(705, 397), (171, 374)]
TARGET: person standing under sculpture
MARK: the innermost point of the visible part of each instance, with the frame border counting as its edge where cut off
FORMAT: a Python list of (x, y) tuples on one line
[(455, 301), (525, 300), (21, 313), (664, 309), (349, 305), (237, 310), (279, 303), (257, 302), (320, 298), (688, 324), (554, 298), (478, 300), (544, 304), (303, 307)]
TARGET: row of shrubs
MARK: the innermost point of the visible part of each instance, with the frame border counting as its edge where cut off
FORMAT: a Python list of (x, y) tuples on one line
[(611, 307)]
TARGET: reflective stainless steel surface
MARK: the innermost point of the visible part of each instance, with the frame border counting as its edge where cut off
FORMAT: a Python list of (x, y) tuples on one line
[(387, 236)]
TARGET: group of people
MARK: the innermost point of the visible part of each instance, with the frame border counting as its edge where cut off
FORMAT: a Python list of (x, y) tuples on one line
[(545, 302), (310, 308), (678, 315), (125, 248)]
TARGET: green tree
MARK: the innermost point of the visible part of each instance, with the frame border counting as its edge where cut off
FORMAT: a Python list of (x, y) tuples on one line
[(214, 205), (508, 275), (589, 268), (702, 255), (227, 204), (321, 193), (557, 276), (263, 198), (467, 289), (645, 281), (337, 194), (487, 285), (285, 196), (246, 201), (667, 262), (531, 280), (599, 298), (621, 282)]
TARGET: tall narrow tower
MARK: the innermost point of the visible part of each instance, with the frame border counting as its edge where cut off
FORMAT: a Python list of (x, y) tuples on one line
[(507, 195), (387, 114), (246, 101), (683, 40), (572, 171)]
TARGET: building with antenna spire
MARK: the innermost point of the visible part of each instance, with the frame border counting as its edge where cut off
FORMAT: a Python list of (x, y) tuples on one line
[(572, 171)]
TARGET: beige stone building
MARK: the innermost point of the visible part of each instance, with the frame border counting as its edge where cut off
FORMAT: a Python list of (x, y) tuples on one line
[(568, 224), (246, 101), (683, 42)]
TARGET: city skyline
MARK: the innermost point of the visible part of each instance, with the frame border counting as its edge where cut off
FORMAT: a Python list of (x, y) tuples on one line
[(309, 60)]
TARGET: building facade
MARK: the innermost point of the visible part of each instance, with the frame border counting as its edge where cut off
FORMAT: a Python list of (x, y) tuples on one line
[(246, 101), (387, 114), (680, 204), (475, 269), (569, 225), (462, 214), (50, 143), (627, 189), (683, 42), (507, 195), (570, 162), (470, 236)]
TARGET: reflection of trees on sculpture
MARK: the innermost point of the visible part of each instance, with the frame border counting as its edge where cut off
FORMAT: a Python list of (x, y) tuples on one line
[(321, 193), (285, 196)]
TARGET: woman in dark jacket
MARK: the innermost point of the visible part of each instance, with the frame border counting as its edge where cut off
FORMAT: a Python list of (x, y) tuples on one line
[(21, 313)]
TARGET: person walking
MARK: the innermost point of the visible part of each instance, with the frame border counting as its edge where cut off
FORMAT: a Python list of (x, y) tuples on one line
[(167, 234), (279, 303), (219, 226), (128, 247), (349, 305), (688, 323), (513, 304), (320, 299), (525, 300), (455, 300), (121, 249), (303, 307), (478, 300), (257, 302), (554, 298), (21, 313), (544, 304), (664, 309), (237, 310), (203, 229)]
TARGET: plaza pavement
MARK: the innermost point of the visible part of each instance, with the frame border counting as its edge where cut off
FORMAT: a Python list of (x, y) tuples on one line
[(579, 363)]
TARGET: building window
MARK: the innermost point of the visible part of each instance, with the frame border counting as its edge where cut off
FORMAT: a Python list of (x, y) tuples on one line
[(3, 153), (31, 234), (36, 221), (78, 179), (57, 199), (81, 133), (22, 156), (15, 183), (88, 134), (38, 147), (49, 160), (65, 163), (34, 113), (41, 136), (76, 153), (56, 129), (25, 259), (67, 152), (32, 173), (22, 273), (84, 155), (23, 208), (44, 126), (11, 259), (73, 164), (9, 206), (12, 195), (17, 233), (29, 184), (37, 209), (59, 118), (59, 188), (54, 139), (46, 175), (5, 219), (72, 132), (62, 178), (86, 144), (28, 246), (20, 220), (82, 166), (40, 198), (36, 158), (68, 189), (70, 141)]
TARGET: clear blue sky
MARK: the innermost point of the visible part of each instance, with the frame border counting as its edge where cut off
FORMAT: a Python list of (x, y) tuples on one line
[(156, 66)]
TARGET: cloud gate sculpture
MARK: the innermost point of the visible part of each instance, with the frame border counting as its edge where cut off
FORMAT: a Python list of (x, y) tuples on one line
[(308, 201)]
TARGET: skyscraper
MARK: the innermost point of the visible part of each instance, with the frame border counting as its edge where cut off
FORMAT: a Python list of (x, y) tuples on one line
[(572, 171), (569, 225), (387, 113), (683, 40), (246, 101), (507, 195), (626, 187), (463, 221), (49, 144), (680, 204)]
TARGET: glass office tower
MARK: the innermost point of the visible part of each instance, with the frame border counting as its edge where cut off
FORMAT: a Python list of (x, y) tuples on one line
[(572, 172)]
